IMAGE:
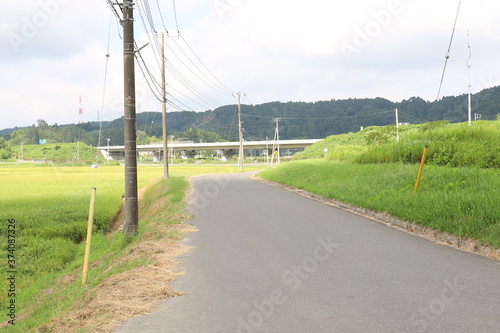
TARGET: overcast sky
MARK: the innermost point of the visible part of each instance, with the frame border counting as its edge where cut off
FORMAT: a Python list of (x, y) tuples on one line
[(53, 51)]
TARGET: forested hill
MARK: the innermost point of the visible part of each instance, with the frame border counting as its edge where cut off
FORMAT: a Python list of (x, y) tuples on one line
[(297, 120)]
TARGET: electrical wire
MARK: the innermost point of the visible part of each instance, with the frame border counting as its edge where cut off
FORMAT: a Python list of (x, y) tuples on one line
[(138, 56), (187, 97), (151, 31), (191, 87), (210, 83), (189, 60), (245, 97), (112, 5), (103, 98), (447, 56), (418, 120), (223, 88), (328, 118), (149, 85), (201, 62), (175, 15)]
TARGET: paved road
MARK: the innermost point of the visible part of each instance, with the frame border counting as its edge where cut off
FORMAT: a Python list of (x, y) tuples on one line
[(269, 260)]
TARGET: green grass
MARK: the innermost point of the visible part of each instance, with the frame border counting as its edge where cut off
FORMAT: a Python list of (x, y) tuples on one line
[(461, 201), (449, 144), (58, 152)]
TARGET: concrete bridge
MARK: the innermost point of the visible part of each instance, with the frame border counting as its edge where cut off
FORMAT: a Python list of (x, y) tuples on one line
[(226, 149)]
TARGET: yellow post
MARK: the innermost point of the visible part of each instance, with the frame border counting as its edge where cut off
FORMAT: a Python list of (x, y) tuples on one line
[(424, 157), (89, 237)]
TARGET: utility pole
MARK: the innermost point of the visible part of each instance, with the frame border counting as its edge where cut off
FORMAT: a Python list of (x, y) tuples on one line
[(278, 138), (241, 157), (397, 125), (267, 151), (469, 78), (131, 198), (107, 156), (276, 144), (164, 109)]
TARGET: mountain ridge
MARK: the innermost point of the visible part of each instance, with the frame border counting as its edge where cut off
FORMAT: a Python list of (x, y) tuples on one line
[(298, 119)]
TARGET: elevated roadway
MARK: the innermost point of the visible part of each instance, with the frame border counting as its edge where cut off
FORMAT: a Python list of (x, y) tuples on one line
[(226, 148)]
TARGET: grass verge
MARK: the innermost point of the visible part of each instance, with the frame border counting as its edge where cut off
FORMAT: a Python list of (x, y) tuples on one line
[(459, 201)]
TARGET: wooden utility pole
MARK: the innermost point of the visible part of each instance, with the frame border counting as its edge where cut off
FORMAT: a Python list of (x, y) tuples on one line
[(164, 109), (131, 198)]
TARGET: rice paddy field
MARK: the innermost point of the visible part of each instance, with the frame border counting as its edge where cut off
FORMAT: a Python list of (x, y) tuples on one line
[(45, 212)]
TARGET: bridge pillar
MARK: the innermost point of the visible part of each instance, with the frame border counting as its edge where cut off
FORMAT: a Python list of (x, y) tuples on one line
[(189, 153), (227, 154), (158, 156), (113, 155)]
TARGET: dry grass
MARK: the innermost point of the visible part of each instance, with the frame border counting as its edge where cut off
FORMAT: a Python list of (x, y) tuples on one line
[(138, 290), (130, 293)]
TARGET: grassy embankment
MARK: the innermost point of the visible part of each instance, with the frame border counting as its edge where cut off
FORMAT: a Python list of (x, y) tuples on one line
[(58, 153), (460, 188), (50, 205)]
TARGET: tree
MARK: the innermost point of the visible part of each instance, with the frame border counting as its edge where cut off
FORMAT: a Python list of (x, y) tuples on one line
[(28, 135), (42, 124), (5, 152), (142, 138)]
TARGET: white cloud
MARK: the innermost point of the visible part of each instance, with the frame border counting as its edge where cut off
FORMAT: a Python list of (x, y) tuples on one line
[(271, 50)]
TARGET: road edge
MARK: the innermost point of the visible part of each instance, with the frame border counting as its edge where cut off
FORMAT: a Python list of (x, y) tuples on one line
[(439, 237)]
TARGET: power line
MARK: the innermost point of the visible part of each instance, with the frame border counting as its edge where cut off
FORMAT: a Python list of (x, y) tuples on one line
[(175, 15), (447, 56), (112, 5), (187, 97), (191, 87), (155, 94), (151, 31), (211, 83), (187, 57), (201, 62), (310, 118)]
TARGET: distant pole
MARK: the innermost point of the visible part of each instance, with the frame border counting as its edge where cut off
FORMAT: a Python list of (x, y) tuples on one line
[(267, 151), (469, 77), (89, 237), (131, 199), (278, 140), (172, 148), (164, 109), (107, 157), (397, 125), (241, 157)]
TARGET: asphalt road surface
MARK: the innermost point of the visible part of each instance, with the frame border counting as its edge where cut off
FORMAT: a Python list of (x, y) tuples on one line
[(269, 260)]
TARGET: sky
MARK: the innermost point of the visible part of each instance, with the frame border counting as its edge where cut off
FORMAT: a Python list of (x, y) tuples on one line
[(54, 51)]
